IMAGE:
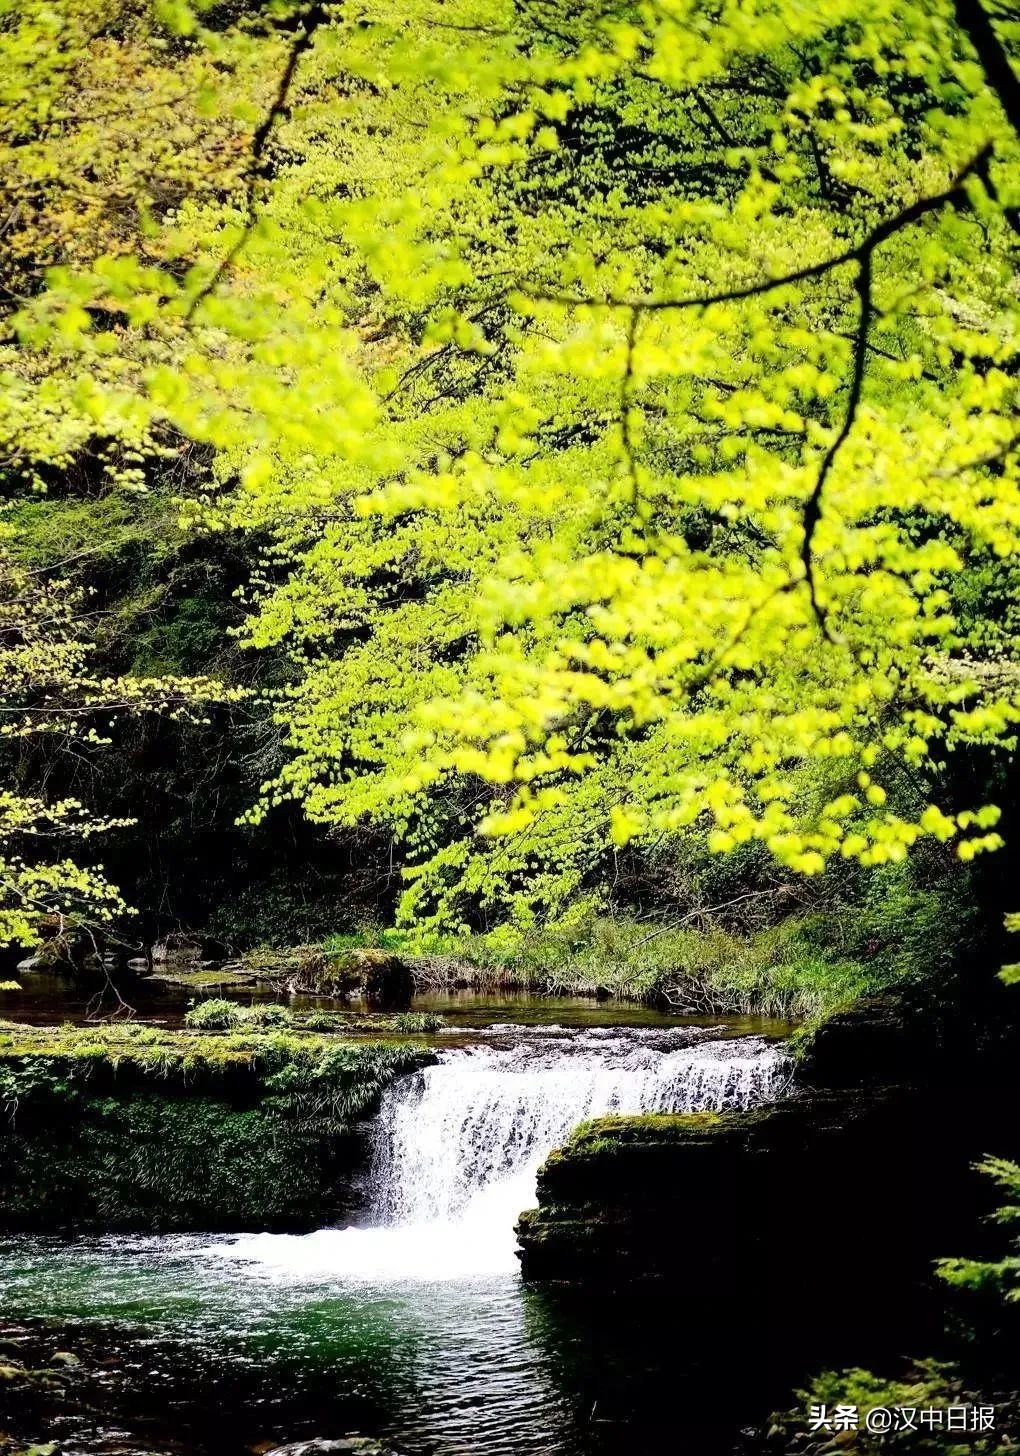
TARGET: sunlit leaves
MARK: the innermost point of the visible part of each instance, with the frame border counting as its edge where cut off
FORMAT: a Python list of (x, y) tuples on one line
[(536, 539)]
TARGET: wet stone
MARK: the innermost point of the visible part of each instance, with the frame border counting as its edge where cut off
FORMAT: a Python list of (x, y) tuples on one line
[(345, 1446)]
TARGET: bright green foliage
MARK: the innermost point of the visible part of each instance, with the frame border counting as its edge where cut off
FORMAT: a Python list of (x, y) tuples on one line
[(925, 1384), (1001, 1275), (628, 396), (1010, 975), (218, 1014)]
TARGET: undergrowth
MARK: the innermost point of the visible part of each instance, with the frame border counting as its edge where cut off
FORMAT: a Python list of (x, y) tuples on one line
[(802, 965)]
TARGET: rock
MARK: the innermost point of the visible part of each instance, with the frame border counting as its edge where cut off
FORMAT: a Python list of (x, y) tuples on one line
[(179, 949), (388, 981), (856, 1183), (883, 1040), (377, 976), (761, 1210), (345, 1446), (32, 963)]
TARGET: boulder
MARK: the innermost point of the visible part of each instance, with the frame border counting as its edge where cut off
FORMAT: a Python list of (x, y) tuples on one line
[(345, 1446), (178, 949), (885, 1040), (376, 976), (837, 1198)]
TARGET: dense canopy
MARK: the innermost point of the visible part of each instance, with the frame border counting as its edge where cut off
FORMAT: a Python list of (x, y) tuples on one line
[(621, 400)]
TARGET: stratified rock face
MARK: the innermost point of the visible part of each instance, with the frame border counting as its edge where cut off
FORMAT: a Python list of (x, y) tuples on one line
[(816, 1219), (878, 1041), (718, 1202), (133, 1128)]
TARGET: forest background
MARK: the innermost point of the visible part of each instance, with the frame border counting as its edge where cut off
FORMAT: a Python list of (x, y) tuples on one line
[(532, 479)]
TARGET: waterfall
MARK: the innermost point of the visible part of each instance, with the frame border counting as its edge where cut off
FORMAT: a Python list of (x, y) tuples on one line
[(456, 1147), (490, 1114)]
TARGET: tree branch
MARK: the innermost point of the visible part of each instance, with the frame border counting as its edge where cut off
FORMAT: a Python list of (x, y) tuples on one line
[(315, 16), (999, 73), (955, 193), (861, 254), (813, 508)]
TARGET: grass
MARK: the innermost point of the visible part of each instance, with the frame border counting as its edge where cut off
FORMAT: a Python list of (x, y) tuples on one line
[(804, 966), (161, 1052), (218, 1014)]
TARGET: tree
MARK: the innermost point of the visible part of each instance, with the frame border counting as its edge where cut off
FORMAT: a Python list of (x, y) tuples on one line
[(631, 398), (49, 695)]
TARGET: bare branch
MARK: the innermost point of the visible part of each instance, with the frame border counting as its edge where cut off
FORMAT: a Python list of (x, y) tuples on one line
[(999, 73), (315, 16), (813, 508)]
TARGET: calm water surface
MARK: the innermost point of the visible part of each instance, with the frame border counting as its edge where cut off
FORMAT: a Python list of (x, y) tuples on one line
[(48, 996)]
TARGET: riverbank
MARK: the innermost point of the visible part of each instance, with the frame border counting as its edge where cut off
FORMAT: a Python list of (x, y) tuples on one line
[(803, 965)]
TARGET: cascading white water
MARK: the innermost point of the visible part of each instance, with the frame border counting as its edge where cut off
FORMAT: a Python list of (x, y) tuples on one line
[(491, 1114), (457, 1146)]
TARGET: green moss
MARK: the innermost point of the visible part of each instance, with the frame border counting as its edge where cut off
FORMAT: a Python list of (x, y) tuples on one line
[(227, 977), (643, 1127), (123, 1126), (218, 1014)]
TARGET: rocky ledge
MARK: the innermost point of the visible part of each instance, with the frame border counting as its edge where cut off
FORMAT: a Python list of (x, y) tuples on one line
[(854, 1183), (121, 1126)]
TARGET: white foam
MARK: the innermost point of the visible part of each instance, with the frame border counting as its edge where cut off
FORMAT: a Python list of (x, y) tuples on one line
[(457, 1146)]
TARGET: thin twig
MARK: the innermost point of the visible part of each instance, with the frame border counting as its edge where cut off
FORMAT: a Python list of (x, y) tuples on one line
[(315, 16)]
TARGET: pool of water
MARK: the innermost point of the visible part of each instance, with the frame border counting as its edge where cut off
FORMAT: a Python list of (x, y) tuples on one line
[(49, 996), (184, 1350)]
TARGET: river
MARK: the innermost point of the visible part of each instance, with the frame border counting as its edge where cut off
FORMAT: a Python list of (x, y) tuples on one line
[(412, 1326)]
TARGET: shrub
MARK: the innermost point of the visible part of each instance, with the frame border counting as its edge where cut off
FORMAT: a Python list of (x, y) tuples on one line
[(218, 1014), (418, 1021)]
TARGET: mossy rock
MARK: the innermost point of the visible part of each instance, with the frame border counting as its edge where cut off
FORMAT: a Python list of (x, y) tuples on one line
[(889, 1040), (129, 1127), (376, 976)]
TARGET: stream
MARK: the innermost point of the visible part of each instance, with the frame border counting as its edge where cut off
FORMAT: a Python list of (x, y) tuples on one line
[(412, 1326)]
